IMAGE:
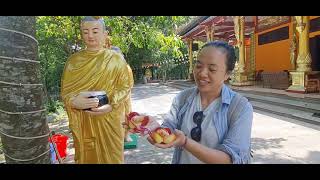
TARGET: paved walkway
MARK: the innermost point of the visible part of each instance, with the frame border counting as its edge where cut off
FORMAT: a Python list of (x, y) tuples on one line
[(154, 100), (274, 139), (150, 99), (282, 140)]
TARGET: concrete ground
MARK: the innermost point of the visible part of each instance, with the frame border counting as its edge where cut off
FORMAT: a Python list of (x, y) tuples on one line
[(275, 139)]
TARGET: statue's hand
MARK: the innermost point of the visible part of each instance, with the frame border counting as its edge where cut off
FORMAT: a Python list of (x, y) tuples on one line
[(82, 101), (100, 110)]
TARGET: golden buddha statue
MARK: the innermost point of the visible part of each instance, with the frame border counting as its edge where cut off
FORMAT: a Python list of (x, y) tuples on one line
[(97, 133)]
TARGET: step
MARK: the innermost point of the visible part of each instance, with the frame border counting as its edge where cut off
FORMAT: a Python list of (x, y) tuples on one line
[(290, 113), (284, 105), (284, 101), (292, 96), (312, 105), (179, 85), (181, 82)]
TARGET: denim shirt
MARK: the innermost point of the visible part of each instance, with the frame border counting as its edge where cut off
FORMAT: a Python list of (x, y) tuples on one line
[(234, 140)]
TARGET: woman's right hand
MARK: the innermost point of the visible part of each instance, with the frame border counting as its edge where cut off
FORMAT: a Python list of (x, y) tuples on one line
[(151, 141), (82, 101), (126, 126)]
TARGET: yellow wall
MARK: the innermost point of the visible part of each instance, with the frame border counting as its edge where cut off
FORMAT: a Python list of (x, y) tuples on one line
[(273, 57)]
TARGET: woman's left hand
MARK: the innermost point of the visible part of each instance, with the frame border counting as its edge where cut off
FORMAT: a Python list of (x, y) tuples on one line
[(100, 110), (180, 140)]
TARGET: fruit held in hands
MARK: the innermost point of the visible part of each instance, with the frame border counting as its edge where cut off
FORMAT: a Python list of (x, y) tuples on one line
[(162, 132), (137, 121), (145, 121), (132, 114), (157, 137), (169, 139), (131, 125), (163, 135)]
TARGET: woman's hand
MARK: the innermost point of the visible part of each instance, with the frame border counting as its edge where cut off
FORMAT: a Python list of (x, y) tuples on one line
[(151, 141), (100, 110), (180, 138), (126, 126)]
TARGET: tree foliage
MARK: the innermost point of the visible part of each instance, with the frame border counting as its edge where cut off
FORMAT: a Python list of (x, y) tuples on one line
[(142, 39)]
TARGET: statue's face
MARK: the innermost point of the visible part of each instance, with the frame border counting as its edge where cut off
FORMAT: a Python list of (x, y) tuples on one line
[(93, 34)]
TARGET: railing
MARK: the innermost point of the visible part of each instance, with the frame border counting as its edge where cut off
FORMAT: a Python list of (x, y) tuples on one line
[(275, 80)]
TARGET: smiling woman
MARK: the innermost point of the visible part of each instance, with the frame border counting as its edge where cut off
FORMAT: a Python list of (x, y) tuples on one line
[(214, 65), (212, 123)]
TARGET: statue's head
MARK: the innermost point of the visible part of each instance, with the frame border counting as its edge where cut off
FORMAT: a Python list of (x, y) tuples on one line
[(93, 31)]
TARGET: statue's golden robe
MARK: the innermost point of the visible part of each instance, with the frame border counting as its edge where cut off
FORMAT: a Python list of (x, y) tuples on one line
[(97, 139), (128, 104)]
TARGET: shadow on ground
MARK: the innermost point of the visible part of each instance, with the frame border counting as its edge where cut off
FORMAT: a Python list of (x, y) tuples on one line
[(146, 153), (313, 157), (294, 121), (261, 143)]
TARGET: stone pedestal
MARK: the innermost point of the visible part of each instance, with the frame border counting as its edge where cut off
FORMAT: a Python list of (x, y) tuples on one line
[(240, 79), (298, 82)]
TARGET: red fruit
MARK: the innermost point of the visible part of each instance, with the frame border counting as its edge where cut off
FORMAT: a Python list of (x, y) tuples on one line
[(132, 114), (162, 132), (157, 129), (145, 121), (157, 137), (168, 130), (135, 129)]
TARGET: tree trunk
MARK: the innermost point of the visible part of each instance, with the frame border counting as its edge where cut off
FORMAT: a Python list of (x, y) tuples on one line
[(21, 98)]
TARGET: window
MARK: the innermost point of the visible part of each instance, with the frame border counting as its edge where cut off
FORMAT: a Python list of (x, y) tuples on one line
[(315, 25), (273, 36)]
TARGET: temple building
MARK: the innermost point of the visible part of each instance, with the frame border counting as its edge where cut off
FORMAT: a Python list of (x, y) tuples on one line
[(281, 52)]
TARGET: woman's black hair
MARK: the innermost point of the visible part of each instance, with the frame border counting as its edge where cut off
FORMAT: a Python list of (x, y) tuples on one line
[(228, 49)]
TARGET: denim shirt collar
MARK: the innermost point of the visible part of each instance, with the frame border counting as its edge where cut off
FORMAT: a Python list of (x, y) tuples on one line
[(226, 94), (226, 97)]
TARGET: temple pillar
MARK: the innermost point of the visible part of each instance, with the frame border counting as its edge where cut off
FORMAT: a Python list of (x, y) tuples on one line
[(209, 33), (303, 62), (190, 41), (252, 67), (239, 76)]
